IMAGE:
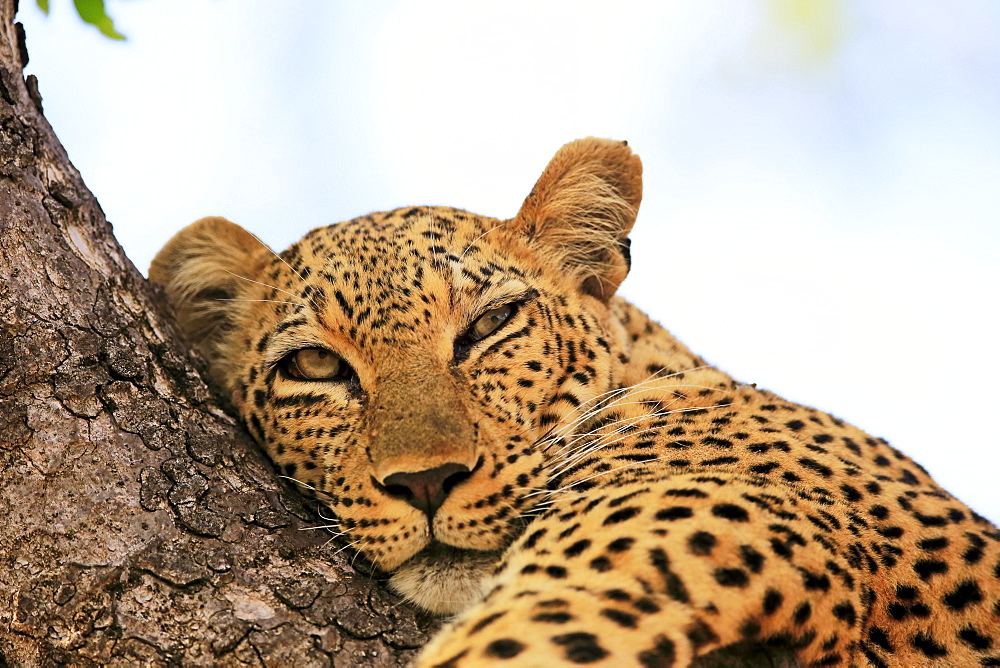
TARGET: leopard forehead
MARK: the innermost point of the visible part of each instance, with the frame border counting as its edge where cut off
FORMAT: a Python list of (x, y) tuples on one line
[(377, 274)]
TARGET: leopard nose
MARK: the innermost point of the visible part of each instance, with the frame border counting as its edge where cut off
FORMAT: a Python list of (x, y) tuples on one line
[(426, 490)]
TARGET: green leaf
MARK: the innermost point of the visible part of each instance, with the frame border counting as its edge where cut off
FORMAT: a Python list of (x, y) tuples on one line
[(92, 12), (44, 6)]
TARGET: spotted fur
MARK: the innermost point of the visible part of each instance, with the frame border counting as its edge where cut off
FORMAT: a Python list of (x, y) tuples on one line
[(603, 496)]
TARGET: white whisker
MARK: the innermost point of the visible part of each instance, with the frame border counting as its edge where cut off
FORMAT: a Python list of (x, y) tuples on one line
[(294, 296), (350, 544), (325, 526), (310, 488), (602, 473), (270, 301), (633, 420), (642, 386), (277, 255), (312, 302), (473, 242)]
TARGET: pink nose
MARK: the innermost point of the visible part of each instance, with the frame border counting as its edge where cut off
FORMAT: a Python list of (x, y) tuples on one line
[(426, 490)]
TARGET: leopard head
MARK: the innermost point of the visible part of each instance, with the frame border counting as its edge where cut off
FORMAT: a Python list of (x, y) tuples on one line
[(408, 368)]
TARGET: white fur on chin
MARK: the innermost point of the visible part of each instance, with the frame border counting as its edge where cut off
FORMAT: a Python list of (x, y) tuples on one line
[(445, 582)]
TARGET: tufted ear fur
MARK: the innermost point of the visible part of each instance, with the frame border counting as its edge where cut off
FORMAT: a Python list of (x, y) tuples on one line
[(201, 267), (581, 210)]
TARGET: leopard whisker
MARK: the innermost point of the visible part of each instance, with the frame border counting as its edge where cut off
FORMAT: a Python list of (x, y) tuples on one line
[(588, 448), (628, 388), (270, 301), (351, 544), (277, 255), (632, 420), (473, 242), (324, 526), (554, 475), (319, 511), (311, 488), (564, 464), (607, 399), (266, 285), (616, 405), (312, 303), (602, 442), (607, 396), (630, 465), (634, 403)]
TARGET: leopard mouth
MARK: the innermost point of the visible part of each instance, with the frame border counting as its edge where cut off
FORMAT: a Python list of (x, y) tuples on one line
[(445, 579), (437, 552)]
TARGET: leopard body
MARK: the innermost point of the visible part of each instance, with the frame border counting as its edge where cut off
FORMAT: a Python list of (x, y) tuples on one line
[(520, 448)]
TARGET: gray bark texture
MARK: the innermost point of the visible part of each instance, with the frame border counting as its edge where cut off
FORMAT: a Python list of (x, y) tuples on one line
[(138, 523)]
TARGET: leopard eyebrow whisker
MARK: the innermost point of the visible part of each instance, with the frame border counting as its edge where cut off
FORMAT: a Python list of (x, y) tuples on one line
[(310, 302), (269, 301), (266, 285), (277, 255), (473, 242)]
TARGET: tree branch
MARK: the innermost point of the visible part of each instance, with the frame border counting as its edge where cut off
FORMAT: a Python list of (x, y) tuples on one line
[(140, 523)]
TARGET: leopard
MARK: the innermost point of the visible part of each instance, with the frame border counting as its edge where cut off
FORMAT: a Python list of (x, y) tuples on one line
[(518, 449)]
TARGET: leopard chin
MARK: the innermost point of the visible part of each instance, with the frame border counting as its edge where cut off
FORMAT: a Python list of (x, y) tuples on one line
[(443, 579)]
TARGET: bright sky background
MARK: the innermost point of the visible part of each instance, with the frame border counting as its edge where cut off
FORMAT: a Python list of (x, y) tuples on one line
[(822, 210)]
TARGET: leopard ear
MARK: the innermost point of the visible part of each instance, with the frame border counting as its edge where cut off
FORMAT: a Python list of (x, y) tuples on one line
[(581, 210), (203, 268)]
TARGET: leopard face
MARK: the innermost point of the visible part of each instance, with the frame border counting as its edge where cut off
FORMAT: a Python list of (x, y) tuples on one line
[(406, 367)]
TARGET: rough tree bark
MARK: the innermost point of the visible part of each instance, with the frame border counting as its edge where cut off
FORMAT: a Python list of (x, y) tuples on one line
[(138, 523)]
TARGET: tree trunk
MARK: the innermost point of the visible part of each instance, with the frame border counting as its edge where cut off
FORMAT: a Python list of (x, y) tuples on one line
[(139, 523)]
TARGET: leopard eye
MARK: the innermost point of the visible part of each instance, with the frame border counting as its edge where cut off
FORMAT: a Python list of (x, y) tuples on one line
[(314, 364), (490, 322)]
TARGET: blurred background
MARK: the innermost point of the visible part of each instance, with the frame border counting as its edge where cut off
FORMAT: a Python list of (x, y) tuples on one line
[(822, 199)]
